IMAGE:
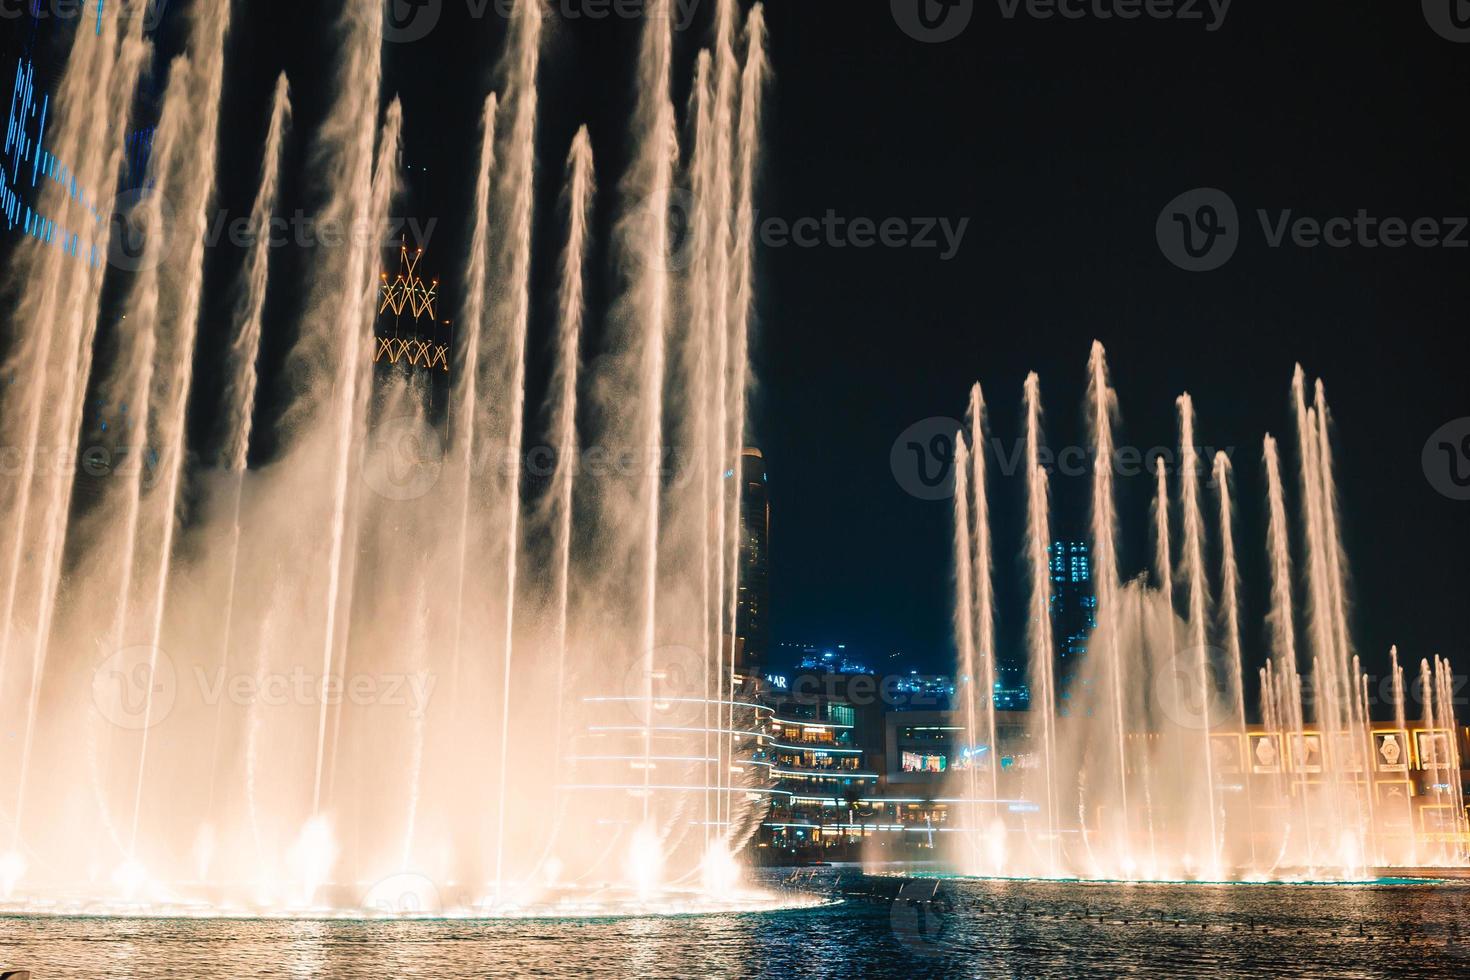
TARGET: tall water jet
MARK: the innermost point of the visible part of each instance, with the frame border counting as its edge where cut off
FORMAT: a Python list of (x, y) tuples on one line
[(646, 237), (249, 312), (1430, 760), (1319, 608), (1446, 684), (965, 619), (1039, 633), (382, 191), (1104, 409), (984, 587), (1283, 623), (1400, 722), (67, 295), (244, 378), (1193, 563), (329, 364), (703, 174), (571, 311), (715, 176), (1230, 617), (1356, 725), (742, 303), (465, 396), (39, 367), (360, 605), (193, 184), (512, 321)]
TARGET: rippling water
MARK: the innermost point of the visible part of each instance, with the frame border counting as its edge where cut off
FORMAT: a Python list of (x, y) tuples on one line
[(884, 927)]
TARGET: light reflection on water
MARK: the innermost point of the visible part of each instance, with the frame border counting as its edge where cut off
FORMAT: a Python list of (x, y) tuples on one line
[(1006, 928)]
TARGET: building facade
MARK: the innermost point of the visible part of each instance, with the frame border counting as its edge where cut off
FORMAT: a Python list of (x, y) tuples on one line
[(753, 609), (1073, 619)]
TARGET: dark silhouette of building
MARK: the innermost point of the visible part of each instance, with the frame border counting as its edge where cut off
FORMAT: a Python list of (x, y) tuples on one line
[(752, 616)]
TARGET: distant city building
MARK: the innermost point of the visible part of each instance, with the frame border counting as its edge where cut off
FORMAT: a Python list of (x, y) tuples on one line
[(752, 614), (1012, 693), (1073, 618)]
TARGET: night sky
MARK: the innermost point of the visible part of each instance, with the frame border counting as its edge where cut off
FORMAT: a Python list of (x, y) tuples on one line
[(1059, 142)]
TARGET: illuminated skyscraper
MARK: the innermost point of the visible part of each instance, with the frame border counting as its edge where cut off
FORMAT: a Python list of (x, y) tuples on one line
[(410, 342), (1073, 618), (752, 620)]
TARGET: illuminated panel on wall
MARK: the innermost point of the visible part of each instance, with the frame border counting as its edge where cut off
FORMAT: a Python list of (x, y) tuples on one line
[(27, 163)]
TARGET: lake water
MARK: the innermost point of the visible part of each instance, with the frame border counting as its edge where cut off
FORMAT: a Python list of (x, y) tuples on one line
[(881, 926)]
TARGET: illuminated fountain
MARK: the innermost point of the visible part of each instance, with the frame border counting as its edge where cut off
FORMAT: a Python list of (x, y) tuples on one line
[(380, 669), (1155, 770)]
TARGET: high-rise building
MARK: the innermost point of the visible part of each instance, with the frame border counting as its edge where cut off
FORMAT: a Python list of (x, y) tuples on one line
[(1073, 618), (410, 343), (752, 617)]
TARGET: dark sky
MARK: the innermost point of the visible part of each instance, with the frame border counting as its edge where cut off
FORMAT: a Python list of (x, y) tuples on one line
[(1060, 142)]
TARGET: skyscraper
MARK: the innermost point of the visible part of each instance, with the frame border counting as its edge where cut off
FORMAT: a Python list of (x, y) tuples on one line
[(1073, 618), (752, 619)]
